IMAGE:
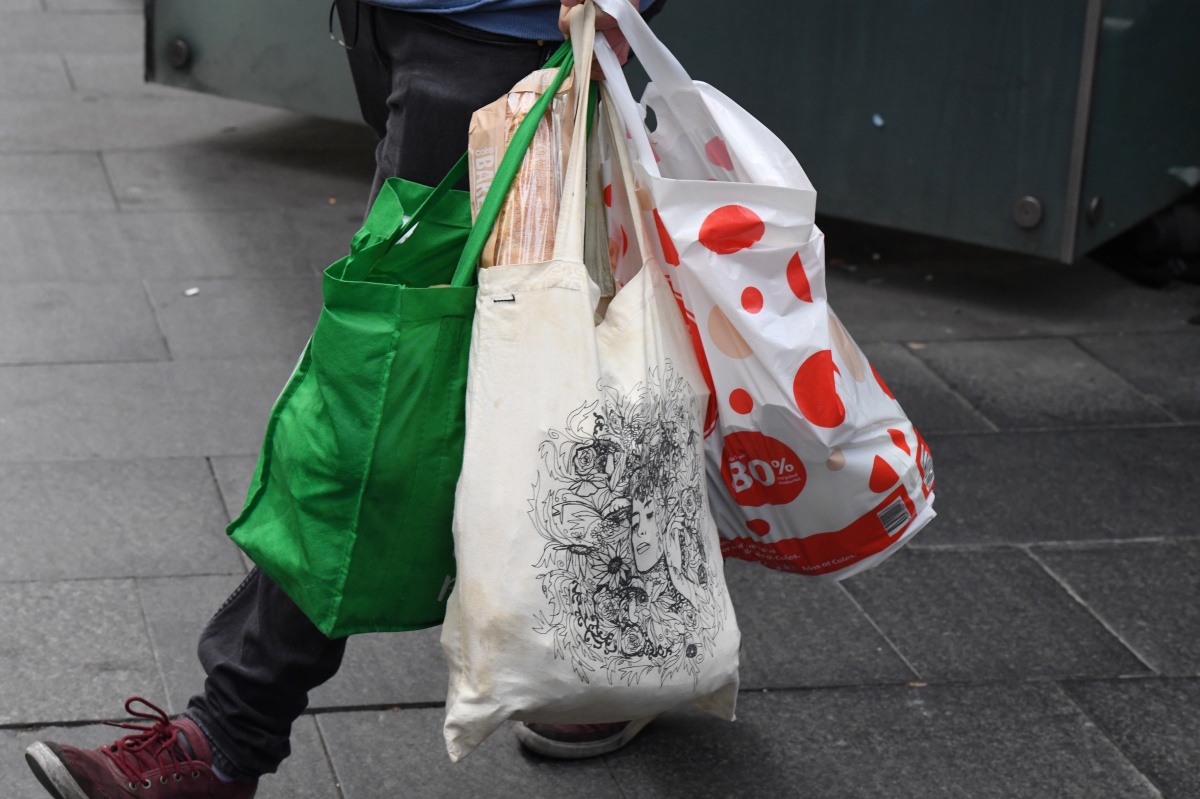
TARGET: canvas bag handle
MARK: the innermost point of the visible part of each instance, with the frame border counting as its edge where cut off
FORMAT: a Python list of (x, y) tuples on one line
[(569, 233)]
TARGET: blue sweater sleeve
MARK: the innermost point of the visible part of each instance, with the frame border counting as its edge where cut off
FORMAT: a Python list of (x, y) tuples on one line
[(524, 19)]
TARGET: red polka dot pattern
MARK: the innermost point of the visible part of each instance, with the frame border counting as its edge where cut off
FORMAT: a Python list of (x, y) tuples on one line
[(608, 195), (668, 246), (717, 153), (730, 229), (816, 391), (797, 279), (899, 440), (883, 476), (741, 401), (760, 527), (752, 300)]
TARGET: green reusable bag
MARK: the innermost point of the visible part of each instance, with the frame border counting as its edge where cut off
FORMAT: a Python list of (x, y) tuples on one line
[(350, 508)]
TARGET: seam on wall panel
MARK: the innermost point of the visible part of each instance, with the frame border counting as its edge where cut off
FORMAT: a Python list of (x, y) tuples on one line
[(148, 43), (1093, 21)]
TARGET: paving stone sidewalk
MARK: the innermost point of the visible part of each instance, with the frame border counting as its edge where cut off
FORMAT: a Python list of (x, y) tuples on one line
[(1040, 639)]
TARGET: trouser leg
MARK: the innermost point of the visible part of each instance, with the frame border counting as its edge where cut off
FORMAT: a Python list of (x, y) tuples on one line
[(262, 656), (438, 73)]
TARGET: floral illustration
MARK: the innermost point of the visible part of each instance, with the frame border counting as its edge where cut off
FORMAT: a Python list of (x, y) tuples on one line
[(626, 568)]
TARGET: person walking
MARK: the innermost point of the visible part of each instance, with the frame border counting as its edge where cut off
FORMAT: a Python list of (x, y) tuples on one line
[(420, 69)]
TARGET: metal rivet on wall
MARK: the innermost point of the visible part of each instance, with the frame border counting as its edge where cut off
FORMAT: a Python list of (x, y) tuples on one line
[(179, 53), (1028, 212)]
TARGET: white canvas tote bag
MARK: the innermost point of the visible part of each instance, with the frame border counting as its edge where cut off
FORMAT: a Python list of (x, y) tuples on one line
[(813, 466), (590, 584)]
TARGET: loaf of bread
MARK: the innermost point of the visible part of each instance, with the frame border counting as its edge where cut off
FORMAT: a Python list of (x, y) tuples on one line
[(524, 231)]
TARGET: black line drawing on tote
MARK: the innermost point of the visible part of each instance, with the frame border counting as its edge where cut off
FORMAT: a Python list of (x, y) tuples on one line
[(626, 569)]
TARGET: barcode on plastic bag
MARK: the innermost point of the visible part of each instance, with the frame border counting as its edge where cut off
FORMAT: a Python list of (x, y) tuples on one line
[(894, 517), (927, 469)]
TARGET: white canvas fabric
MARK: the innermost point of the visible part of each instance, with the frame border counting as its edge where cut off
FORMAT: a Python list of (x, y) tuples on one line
[(813, 466), (590, 584)]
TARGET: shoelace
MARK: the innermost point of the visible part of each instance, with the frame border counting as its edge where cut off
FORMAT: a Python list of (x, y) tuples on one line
[(154, 747)]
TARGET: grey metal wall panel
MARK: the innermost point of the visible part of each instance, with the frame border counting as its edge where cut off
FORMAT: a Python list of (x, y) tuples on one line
[(977, 100), (1144, 141), (276, 52)]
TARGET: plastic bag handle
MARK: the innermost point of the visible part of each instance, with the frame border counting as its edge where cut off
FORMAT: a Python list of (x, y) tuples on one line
[(618, 93), (660, 64), (506, 173), (626, 173)]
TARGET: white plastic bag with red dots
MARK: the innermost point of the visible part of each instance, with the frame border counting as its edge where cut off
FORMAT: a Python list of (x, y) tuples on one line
[(813, 467)]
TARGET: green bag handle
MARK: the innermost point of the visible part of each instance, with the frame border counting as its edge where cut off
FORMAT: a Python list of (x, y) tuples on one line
[(562, 58), (456, 173), (506, 172)]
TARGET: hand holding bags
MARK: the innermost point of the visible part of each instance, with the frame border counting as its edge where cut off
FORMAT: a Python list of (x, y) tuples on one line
[(590, 585), (813, 466)]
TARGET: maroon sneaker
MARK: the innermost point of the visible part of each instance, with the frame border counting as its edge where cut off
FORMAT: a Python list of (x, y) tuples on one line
[(167, 760), (577, 741)]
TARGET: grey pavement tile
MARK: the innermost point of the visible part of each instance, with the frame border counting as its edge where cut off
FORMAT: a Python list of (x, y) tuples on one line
[(797, 632), (388, 669), (1083, 485), (286, 133), (86, 519), (1156, 724), (233, 478), (982, 742), (174, 244), (137, 410), (71, 651), (930, 404), (78, 323), (305, 775), (53, 182), (401, 753), (115, 73), (951, 292), (52, 123), (91, 6), (38, 32), (16, 780), (203, 178), (177, 609), (29, 74), (1038, 383), (1149, 592), (986, 615), (1165, 366), (236, 318), (90, 120)]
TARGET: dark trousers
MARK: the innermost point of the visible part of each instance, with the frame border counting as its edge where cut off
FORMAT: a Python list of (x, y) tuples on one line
[(419, 78)]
